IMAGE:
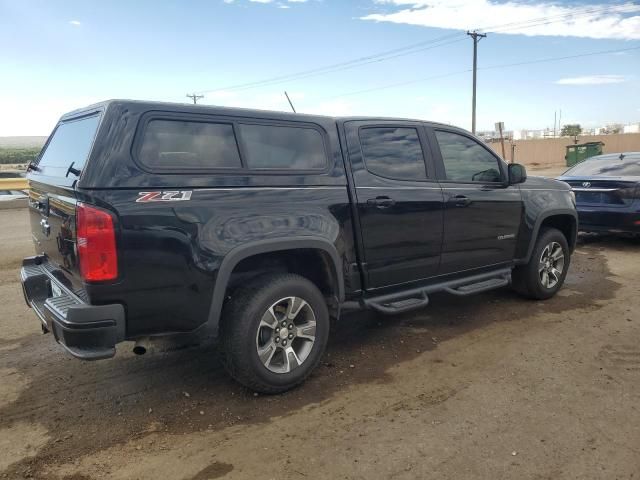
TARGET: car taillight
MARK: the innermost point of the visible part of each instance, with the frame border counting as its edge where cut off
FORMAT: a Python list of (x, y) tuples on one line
[(96, 244)]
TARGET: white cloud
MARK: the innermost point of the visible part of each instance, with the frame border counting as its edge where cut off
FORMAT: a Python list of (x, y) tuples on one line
[(261, 1), (591, 80), (283, 6), (297, 1), (75, 23), (590, 21)]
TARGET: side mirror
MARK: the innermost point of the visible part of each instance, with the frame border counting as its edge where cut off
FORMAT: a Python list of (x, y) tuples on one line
[(517, 173)]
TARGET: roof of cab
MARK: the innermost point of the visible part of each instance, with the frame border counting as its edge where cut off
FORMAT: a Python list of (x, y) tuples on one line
[(235, 111)]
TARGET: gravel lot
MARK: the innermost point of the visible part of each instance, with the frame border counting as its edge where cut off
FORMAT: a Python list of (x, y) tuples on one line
[(489, 387)]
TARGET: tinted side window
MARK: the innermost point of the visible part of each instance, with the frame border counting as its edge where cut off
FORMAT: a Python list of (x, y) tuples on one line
[(465, 160), (282, 147), (71, 142), (393, 152), (179, 145)]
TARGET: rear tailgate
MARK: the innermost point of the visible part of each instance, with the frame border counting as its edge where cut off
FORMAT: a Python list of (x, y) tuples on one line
[(52, 197)]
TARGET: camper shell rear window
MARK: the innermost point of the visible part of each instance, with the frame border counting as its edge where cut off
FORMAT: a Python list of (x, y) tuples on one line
[(69, 146)]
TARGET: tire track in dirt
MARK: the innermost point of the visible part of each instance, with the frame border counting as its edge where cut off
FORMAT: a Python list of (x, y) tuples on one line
[(87, 407)]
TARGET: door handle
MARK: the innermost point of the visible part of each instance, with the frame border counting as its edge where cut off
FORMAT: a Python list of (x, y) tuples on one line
[(460, 201), (381, 202)]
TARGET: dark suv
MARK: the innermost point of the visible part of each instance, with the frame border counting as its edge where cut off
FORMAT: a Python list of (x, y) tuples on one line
[(258, 228)]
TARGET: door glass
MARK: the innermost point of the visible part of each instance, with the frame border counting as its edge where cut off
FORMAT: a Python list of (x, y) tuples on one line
[(393, 152), (465, 160)]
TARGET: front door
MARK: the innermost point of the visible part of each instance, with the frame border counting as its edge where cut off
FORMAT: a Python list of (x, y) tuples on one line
[(399, 201), (482, 212)]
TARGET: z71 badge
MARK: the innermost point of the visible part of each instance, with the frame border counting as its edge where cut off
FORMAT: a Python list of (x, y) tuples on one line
[(173, 196)]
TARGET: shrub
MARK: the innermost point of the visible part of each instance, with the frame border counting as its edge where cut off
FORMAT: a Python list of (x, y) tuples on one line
[(18, 155)]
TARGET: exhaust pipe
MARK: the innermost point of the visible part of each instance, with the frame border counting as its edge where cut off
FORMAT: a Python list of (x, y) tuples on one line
[(164, 344), (139, 349), (141, 346)]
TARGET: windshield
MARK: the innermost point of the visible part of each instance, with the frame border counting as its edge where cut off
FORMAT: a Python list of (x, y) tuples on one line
[(71, 143), (610, 166)]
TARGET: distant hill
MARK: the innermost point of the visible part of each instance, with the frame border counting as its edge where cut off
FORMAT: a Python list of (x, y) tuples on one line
[(22, 142)]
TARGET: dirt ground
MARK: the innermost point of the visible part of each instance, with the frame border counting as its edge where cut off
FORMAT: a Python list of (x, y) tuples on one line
[(491, 386)]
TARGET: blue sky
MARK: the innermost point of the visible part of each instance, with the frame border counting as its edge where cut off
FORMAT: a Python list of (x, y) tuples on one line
[(59, 55)]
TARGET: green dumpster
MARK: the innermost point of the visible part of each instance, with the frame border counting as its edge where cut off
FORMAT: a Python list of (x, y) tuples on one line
[(580, 152)]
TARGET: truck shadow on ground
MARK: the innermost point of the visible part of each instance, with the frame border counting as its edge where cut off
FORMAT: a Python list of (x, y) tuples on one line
[(87, 407)]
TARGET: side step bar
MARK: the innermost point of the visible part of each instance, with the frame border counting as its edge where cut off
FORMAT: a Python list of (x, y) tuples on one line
[(400, 302), (479, 287)]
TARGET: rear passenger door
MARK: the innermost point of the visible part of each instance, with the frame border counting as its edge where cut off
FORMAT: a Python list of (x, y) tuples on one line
[(482, 212), (399, 202)]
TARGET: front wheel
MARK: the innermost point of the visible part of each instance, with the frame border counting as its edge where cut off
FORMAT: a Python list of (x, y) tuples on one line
[(274, 332), (544, 275)]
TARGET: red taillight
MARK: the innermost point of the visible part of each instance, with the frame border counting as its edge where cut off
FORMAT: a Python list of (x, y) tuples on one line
[(96, 244)]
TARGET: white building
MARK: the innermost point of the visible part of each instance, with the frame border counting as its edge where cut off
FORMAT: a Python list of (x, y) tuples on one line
[(528, 134), (632, 128)]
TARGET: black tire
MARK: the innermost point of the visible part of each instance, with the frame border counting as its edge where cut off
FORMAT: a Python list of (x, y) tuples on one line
[(526, 279), (241, 331)]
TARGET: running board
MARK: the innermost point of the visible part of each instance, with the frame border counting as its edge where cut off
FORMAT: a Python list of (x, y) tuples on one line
[(400, 302), (480, 287)]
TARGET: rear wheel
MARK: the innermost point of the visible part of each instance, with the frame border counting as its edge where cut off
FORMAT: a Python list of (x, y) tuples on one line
[(274, 332), (544, 275)]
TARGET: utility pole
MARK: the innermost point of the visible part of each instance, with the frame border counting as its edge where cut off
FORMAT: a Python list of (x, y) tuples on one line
[(500, 128), (195, 97), (476, 38), (560, 123)]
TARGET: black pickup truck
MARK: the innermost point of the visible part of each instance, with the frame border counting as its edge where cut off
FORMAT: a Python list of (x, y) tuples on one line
[(259, 228)]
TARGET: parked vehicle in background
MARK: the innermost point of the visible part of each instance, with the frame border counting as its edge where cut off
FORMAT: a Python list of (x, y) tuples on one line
[(607, 189), (258, 227)]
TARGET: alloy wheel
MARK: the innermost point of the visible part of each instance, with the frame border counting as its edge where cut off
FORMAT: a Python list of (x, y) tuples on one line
[(286, 334), (551, 265)]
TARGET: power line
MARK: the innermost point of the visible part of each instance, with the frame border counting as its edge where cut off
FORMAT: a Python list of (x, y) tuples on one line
[(386, 55), (420, 47), (300, 77), (398, 84), (459, 72), (553, 59), (589, 11)]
